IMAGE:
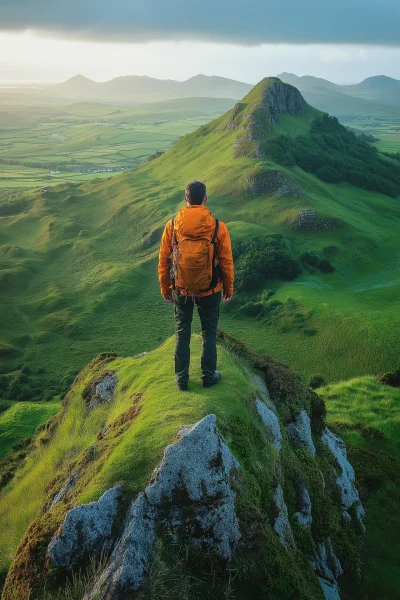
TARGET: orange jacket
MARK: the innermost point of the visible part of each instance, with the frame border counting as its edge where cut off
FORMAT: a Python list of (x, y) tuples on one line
[(190, 216)]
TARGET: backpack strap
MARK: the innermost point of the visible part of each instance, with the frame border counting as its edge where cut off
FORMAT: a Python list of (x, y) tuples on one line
[(175, 243), (214, 237)]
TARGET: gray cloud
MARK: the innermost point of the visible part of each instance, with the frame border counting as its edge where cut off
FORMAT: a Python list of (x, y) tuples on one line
[(250, 22)]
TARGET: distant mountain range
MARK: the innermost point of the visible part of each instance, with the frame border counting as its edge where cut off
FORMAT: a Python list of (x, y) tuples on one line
[(135, 88), (373, 96)]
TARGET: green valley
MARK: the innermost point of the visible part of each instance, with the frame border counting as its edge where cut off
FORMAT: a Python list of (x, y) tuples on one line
[(49, 144)]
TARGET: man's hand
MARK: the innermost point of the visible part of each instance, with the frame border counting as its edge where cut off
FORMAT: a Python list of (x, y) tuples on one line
[(227, 298), (167, 297)]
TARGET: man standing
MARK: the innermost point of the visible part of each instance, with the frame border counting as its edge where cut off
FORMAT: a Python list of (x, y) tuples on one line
[(196, 267)]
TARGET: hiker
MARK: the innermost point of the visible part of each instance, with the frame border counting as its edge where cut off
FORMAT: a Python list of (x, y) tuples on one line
[(196, 267)]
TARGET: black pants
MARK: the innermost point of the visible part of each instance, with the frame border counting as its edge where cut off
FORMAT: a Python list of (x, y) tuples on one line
[(208, 308)]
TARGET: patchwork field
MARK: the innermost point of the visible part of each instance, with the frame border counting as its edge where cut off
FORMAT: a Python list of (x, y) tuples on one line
[(46, 145)]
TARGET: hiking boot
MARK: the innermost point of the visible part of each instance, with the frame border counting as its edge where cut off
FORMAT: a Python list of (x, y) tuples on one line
[(216, 378), (181, 385)]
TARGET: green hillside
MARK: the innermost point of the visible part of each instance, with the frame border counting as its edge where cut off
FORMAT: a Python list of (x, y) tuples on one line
[(366, 415), (79, 260)]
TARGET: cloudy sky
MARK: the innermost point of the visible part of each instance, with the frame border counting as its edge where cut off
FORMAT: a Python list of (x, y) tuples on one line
[(345, 40)]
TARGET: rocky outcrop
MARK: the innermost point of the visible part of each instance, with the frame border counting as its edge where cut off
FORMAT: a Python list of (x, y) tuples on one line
[(69, 484), (328, 568), (303, 501), (310, 220), (101, 390), (274, 181), (270, 99), (189, 498), (281, 522), (345, 475), (86, 530), (271, 423), (325, 561), (299, 432)]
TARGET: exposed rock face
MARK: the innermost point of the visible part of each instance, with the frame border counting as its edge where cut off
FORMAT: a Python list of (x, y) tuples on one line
[(276, 182), (129, 561), (329, 590), (304, 515), (87, 529), (325, 563), (345, 475), (277, 98), (69, 484), (280, 98), (190, 497), (300, 432), (103, 389), (281, 523), (271, 423), (328, 568)]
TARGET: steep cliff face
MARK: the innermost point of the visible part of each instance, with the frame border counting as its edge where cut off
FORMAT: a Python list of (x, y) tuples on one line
[(243, 481), (263, 106), (259, 112)]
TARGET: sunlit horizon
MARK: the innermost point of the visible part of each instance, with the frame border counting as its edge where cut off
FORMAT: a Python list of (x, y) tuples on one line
[(29, 58)]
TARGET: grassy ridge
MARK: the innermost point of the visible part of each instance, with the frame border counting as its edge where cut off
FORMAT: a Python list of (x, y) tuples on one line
[(145, 381)]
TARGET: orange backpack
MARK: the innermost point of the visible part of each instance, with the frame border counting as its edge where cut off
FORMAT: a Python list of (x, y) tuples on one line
[(195, 262)]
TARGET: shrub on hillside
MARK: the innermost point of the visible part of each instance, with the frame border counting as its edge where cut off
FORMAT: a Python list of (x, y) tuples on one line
[(316, 381), (335, 154), (257, 260), (310, 259), (392, 379)]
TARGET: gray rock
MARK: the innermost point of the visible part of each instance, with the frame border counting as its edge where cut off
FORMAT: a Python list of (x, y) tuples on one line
[(261, 386), (345, 475), (281, 523), (325, 562), (300, 432), (87, 529), (69, 484), (304, 515), (104, 389), (271, 423), (129, 560), (329, 590), (189, 498)]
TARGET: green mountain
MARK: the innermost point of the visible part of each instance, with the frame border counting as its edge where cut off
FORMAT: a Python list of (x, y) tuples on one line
[(379, 82)]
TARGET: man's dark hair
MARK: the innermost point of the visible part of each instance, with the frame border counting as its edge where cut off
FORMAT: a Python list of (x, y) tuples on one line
[(195, 192)]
